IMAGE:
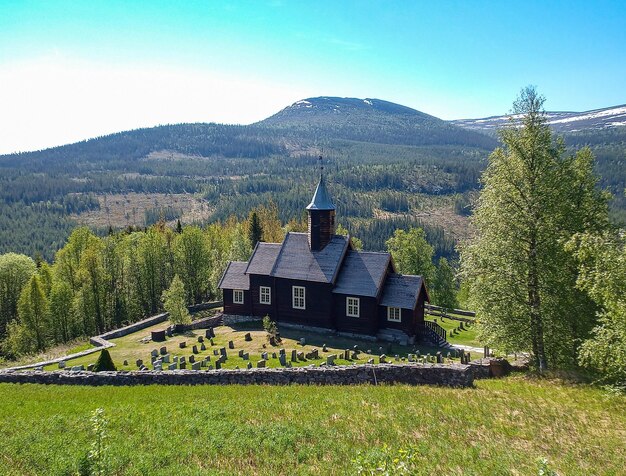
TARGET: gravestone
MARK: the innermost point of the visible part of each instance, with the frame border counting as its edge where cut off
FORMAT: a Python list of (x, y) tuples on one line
[(163, 350), (196, 366), (218, 365), (249, 366), (62, 364), (247, 337), (202, 347), (143, 368), (223, 351), (194, 349), (126, 363), (203, 363), (324, 348), (158, 336), (330, 360), (346, 354), (240, 353), (272, 341), (192, 359), (153, 358), (154, 353), (281, 351), (260, 364), (175, 359), (370, 361), (282, 358), (302, 341), (207, 333), (369, 351), (182, 360), (78, 368), (315, 353), (397, 357), (300, 355), (171, 367), (439, 358), (355, 348), (264, 355), (216, 352), (383, 358), (139, 362), (355, 355), (246, 356), (168, 332), (294, 355), (210, 367), (89, 367), (166, 358), (231, 344), (411, 358), (182, 345), (158, 366), (211, 332), (200, 339), (380, 351), (182, 366)]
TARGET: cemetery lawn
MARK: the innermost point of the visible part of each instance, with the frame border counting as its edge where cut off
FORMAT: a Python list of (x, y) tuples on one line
[(500, 427), (130, 348), (467, 336)]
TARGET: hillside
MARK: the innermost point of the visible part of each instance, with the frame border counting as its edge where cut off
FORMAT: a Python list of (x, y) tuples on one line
[(388, 166), (371, 120), (560, 121)]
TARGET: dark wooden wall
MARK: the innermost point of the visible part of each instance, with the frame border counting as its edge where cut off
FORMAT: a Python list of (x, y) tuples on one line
[(321, 228), (319, 298), (258, 309), (366, 324), (232, 308)]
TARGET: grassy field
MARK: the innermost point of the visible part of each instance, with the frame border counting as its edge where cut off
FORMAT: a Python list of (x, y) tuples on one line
[(130, 348), (501, 427), (467, 336)]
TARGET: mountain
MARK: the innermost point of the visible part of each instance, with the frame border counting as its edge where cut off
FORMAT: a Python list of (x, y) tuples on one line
[(561, 121), (371, 120)]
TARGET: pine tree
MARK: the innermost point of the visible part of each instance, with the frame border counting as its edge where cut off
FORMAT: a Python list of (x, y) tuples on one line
[(179, 227), (33, 311), (104, 362), (255, 230)]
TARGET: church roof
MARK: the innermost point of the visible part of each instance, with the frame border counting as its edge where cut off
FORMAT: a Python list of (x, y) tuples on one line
[(263, 258), (235, 276), (321, 198), (402, 290), (297, 261), (362, 273)]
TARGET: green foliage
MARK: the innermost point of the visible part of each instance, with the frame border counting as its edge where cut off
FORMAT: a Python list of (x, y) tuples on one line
[(33, 312), (271, 328), (104, 362), (544, 468), (15, 271), (387, 462), (602, 264), (444, 287), (192, 263), (411, 253), (522, 280), (174, 302), (95, 462), (255, 230)]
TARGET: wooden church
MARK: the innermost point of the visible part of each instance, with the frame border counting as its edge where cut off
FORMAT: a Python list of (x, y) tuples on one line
[(317, 279)]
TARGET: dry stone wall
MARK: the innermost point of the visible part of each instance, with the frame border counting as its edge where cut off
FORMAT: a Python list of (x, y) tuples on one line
[(451, 375)]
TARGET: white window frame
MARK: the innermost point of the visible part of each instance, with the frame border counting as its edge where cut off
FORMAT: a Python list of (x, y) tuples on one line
[(238, 296), (298, 297), (353, 307), (391, 314), (265, 295)]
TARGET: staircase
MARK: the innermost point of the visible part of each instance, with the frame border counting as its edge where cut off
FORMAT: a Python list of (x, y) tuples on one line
[(434, 333)]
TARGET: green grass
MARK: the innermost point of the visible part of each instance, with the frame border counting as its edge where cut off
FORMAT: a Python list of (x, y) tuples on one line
[(131, 348), (499, 428), (468, 336)]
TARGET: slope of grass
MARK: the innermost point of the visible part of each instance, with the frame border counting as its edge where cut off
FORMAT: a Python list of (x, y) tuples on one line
[(467, 336), (501, 427)]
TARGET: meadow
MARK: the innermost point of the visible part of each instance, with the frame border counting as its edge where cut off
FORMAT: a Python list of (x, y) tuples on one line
[(500, 427)]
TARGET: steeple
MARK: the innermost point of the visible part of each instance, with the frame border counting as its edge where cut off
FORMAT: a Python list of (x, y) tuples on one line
[(321, 212)]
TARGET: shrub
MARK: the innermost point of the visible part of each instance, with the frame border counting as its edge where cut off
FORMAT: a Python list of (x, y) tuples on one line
[(104, 363)]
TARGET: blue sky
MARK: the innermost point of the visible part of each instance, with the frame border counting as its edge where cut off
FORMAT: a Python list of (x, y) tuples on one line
[(75, 69)]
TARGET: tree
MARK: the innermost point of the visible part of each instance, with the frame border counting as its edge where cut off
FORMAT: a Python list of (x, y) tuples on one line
[(255, 230), (602, 264), (521, 279), (411, 253), (192, 262), (444, 288), (356, 243), (104, 362), (174, 302), (61, 316), (15, 271), (33, 312)]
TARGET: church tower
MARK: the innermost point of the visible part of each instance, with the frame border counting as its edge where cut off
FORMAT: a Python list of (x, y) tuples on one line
[(321, 215)]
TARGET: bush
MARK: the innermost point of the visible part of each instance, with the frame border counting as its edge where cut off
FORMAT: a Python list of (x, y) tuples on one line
[(104, 363)]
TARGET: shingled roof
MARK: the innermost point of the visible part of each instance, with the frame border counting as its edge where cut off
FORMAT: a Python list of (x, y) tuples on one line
[(321, 198), (362, 273), (297, 261), (235, 276), (402, 290), (263, 258)]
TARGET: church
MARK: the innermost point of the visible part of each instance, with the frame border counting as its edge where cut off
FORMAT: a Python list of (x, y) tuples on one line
[(317, 279)]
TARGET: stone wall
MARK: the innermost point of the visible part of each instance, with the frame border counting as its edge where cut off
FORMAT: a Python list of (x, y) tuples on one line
[(452, 375)]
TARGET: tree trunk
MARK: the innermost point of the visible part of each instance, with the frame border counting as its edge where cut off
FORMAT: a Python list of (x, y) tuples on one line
[(534, 302)]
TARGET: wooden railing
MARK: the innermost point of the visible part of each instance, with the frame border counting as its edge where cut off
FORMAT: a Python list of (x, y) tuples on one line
[(437, 329), (454, 314)]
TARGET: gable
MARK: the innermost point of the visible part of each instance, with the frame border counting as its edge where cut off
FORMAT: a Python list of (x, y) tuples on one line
[(263, 258), (402, 290), (362, 273)]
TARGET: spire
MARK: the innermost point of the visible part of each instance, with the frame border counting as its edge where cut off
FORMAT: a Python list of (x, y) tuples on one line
[(321, 199)]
